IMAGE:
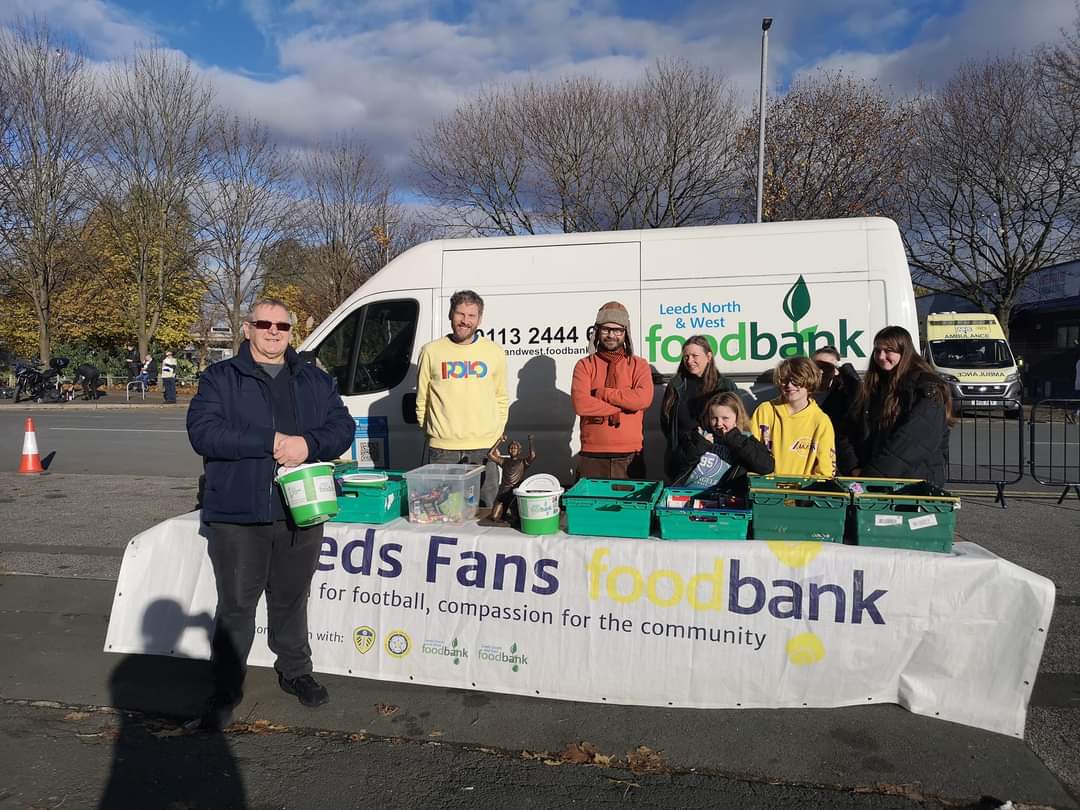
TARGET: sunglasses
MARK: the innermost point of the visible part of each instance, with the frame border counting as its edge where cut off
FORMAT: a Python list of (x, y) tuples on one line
[(282, 326)]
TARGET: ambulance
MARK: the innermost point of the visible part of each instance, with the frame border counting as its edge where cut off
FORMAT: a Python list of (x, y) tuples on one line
[(759, 292), (971, 353)]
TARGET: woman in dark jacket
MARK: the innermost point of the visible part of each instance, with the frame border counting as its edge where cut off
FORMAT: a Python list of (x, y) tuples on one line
[(722, 451), (696, 380), (903, 413)]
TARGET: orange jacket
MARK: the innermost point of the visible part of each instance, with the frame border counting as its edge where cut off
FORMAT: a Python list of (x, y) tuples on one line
[(631, 396)]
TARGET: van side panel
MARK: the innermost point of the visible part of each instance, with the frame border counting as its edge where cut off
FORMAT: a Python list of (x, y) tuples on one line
[(539, 305)]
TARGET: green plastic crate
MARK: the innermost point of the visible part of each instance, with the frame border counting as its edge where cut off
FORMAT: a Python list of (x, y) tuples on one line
[(914, 515), (600, 508), (684, 523), (372, 504), (795, 508)]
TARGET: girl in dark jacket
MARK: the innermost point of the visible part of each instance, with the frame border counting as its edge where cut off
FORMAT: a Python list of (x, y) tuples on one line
[(696, 380), (722, 451), (903, 413)]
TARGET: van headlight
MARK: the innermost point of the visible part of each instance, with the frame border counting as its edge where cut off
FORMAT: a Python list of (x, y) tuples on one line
[(950, 378), (1012, 377)]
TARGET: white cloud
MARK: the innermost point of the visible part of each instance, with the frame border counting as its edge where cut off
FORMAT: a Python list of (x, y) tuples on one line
[(106, 31), (388, 68)]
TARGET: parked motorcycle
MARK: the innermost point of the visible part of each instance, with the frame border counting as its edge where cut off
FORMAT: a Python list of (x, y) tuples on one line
[(34, 382)]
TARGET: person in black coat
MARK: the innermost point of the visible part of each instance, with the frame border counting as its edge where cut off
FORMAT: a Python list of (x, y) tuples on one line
[(262, 408), (695, 381), (903, 414), (722, 451), (840, 387)]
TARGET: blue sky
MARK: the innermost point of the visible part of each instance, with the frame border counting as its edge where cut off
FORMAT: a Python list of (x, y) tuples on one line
[(388, 68)]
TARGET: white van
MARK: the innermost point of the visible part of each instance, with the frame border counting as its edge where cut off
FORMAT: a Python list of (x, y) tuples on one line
[(760, 291), (969, 350)]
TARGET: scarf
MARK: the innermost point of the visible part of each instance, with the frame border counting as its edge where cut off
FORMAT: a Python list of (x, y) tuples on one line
[(611, 358)]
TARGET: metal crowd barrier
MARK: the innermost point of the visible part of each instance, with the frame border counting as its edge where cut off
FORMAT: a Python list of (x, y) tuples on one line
[(986, 446), (1055, 444)]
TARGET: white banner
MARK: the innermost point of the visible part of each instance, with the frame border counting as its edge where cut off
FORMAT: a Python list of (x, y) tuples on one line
[(643, 622)]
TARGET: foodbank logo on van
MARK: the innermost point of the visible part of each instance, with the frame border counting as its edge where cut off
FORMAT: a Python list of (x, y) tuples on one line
[(749, 340)]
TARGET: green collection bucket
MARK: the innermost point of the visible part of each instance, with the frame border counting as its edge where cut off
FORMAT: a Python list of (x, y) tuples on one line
[(538, 504), (309, 492)]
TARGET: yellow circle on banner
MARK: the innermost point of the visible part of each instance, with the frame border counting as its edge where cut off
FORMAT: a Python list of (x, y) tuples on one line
[(805, 648), (794, 553)]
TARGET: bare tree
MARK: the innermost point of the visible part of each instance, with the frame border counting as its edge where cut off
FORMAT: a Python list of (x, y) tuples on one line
[(474, 163), (244, 204), (992, 179), (835, 146), (679, 144), (345, 197), (581, 154), (46, 143), (155, 122)]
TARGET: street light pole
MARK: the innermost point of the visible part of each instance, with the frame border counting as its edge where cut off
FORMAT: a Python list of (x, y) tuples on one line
[(766, 23)]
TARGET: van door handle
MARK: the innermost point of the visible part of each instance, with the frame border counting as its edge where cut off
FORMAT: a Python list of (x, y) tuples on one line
[(408, 409)]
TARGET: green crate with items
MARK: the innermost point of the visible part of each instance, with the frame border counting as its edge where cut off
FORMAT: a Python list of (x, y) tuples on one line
[(795, 508), (902, 514), (370, 496), (601, 508), (695, 514)]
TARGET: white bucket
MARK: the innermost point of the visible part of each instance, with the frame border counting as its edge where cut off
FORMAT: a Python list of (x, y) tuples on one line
[(538, 504)]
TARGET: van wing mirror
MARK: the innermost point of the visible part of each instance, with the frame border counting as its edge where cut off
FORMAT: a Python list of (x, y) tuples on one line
[(408, 409)]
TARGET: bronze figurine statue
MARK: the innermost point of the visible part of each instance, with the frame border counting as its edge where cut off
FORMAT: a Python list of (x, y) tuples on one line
[(513, 468)]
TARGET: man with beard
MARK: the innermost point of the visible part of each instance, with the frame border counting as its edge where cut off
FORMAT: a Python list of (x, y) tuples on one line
[(610, 391), (461, 399)]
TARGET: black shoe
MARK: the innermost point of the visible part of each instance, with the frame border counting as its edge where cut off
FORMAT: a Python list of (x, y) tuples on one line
[(217, 714), (307, 690)]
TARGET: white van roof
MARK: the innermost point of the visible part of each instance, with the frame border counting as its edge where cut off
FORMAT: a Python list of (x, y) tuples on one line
[(426, 271)]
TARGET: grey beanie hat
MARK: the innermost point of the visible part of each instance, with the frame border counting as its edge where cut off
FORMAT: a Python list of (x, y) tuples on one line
[(613, 312)]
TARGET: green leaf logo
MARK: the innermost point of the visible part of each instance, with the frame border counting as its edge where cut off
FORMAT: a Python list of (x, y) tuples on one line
[(513, 648), (797, 301), (453, 643)]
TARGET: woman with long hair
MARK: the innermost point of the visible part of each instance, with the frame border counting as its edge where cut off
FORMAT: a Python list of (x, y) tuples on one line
[(695, 381), (903, 413)]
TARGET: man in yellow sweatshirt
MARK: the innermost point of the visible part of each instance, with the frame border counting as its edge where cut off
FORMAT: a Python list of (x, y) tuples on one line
[(797, 432), (461, 400)]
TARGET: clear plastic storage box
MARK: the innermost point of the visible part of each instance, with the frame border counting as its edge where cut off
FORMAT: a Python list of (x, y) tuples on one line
[(443, 493)]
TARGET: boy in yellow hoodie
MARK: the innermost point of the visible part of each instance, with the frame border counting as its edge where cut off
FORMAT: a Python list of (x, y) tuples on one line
[(797, 432)]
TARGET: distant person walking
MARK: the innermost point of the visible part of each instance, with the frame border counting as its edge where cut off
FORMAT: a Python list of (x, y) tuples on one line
[(168, 377), (611, 390), (1075, 415), (132, 361)]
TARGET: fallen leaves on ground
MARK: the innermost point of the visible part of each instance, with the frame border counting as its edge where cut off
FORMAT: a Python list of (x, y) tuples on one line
[(585, 753), (385, 709), (645, 760), (76, 715), (257, 727)]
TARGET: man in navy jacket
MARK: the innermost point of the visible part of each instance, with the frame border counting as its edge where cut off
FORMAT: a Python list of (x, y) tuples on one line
[(256, 411)]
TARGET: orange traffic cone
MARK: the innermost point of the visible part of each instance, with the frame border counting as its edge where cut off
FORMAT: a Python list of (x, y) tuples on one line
[(31, 459)]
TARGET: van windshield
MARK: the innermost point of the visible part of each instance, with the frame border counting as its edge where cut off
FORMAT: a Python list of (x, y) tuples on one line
[(971, 353)]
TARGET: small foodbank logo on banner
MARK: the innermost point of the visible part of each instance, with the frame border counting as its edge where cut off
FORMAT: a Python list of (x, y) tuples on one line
[(452, 651), (515, 657), (398, 643), (749, 341), (363, 638)]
